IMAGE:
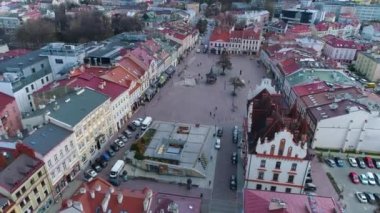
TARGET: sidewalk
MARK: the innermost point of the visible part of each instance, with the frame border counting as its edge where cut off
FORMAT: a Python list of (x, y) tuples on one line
[(67, 193)]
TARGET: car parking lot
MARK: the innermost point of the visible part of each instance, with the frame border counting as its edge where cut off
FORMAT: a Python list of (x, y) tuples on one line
[(341, 176)]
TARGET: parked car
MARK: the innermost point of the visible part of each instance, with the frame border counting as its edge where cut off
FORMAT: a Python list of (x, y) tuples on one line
[(106, 156), (119, 143), (219, 133), (361, 163), (127, 133), (370, 197), (352, 162), (330, 162), (87, 177), (377, 196), (310, 187), (371, 178), (92, 173), (234, 158), (96, 167), (354, 177), (110, 152), (101, 162), (361, 197), (369, 162), (339, 162), (137, 122), (376, 162), (114, 181), (124, 175), (363, 179), (131, 127), (114, 147), (377, 178), (123, 138), (233, 182), (217, 144)]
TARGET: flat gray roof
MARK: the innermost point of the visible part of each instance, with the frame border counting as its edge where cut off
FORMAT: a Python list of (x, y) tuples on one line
[(75, 106), (22, 61), (46, 138)]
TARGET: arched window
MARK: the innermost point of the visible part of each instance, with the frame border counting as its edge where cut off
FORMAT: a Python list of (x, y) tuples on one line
[(282, 147), (272, 150), (289, 151)]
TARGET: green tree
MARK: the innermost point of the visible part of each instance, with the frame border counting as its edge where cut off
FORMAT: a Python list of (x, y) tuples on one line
[(35, 33), (237, 83), (202, 25), (224, 62), (126, 24)]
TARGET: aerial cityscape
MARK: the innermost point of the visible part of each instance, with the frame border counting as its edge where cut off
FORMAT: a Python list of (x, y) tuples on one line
[(190, 106)]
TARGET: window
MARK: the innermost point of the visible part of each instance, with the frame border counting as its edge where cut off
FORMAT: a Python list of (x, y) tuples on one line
[(49, 163), (38, 200), (290, 152), (66, 148), (27, 199), (61, 153), (272, 149), (32, 86), (275, 177), (33, 70), (27, 89), (22, 204), (290, 178), (282, 147), (294, 167), (261, 176), (18, 194), (23, 189), (71, 144), (42, 81), (273, 188), (39, 174), (56, 158), (288, 190), (259, 186), (58, 61), (278, 165), (46, 193), (43, 183), (32, 181), (42, 66), (35, 190), (47, 78), (262, 163)]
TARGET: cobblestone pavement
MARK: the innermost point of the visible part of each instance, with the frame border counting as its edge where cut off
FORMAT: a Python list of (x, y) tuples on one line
[(193, 104)]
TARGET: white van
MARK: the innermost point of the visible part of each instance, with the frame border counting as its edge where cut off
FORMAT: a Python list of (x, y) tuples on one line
[(146, 123), (117, 168)]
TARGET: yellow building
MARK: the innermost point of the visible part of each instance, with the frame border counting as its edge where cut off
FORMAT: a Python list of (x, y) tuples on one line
[(368, 64), (24, 186)]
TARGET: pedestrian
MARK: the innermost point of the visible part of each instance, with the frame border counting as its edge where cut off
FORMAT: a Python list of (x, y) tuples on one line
[(201, 195), (210, 113), (216, 108), (209, 183), (240, 72), (199, 75), (249, 81)]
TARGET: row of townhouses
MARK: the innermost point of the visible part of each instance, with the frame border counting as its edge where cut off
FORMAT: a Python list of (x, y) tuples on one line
[(99, 85)]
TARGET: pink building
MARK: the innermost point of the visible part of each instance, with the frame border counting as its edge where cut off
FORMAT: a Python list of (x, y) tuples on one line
[(10, 116), (340, 50)]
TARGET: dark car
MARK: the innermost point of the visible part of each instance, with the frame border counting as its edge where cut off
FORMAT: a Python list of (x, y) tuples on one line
[(219, 133), (233, 183), (361, 163), (101, 162), (370, 197), (96, 167), (115, 147), (106, 156), (234, 158), (377, 196), (339, 162), (132, 127), (309, 180), (110, 152), (114, 181), (310, 187), (376, 162)]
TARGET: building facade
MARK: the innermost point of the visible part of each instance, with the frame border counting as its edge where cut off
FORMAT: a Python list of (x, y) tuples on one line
[(368, 64), (54, 145), (279, 165), (10, 124), (340, 50)]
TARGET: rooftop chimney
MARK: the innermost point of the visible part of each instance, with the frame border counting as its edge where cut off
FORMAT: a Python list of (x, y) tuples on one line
[(119, 198), (112, 189), (276, 204), (106, 201), (82, 190), (98, 188), (92, 194), (69, 203)]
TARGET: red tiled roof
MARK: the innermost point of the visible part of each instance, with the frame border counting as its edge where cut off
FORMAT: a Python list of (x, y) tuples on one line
[(132, 67), (340, 43), (119, 76), (258, 201), (142, 56), (220, 34), (288, 66), (132, 202), (310, 88), (299, 29), (109, 88), (324, 26), (5, 100), (246, 34)]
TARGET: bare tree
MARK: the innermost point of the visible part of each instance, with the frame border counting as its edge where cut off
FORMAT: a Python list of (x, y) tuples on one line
[(35, 33), (224, 62), (237, 83)]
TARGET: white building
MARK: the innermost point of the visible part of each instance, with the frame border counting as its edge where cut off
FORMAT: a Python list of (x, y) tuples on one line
[(63, 57), (279, 165), (353, 127), (21, 76), (371, 32), (55, 146), (340, 50), (253, 17), (90, 120)]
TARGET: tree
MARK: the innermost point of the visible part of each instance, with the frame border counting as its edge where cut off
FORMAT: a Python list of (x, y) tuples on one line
[(126, 24), (237, 83), (224, 62), (35, 33), (202, 26)]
